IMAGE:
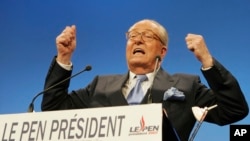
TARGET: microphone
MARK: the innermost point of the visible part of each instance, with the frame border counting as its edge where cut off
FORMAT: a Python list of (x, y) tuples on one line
[(157, 60), (167, 128), (31, 106)]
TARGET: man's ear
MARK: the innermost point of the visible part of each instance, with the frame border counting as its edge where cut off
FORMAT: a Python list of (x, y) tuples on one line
[(163, 51)]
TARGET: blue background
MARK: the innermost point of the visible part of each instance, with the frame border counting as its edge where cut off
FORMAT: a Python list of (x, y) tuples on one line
[(29, 28)]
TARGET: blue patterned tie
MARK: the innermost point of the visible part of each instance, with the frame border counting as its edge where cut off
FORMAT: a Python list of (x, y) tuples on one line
[(136, 94)]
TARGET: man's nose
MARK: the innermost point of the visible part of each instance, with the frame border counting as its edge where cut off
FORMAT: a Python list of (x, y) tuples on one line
[(139, 40)]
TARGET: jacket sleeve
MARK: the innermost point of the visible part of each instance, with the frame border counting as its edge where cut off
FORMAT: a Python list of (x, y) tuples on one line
[(226, 93), (58, 98)]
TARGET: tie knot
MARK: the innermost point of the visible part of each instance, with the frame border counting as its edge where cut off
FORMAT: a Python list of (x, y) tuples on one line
[(141, 78)]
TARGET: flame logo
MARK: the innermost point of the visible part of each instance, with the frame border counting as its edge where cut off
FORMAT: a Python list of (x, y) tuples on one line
[(142, 123)]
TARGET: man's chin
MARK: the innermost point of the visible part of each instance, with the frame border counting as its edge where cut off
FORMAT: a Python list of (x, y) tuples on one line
[(137, 61)]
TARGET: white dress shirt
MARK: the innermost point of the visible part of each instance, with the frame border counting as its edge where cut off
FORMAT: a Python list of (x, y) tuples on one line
[(131, 83)]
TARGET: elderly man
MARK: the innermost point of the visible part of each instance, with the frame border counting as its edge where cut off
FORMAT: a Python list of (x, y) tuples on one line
[(146, 47)]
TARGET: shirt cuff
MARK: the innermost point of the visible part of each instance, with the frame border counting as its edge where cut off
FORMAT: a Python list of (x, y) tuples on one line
[(204, 69), (66, 67)]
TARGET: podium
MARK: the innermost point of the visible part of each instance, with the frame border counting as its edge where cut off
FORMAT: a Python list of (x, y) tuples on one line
[(123, 123)]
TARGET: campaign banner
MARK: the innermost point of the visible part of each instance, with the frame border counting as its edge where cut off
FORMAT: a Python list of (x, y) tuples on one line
[(128, 123)]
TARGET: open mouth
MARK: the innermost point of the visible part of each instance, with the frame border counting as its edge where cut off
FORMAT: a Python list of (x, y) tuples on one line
[(138, 50)]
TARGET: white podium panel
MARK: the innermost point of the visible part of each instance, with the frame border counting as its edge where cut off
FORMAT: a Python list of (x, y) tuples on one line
[(123, 123)]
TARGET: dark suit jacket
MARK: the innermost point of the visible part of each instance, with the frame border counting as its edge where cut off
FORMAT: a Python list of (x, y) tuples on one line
[(107, 91)]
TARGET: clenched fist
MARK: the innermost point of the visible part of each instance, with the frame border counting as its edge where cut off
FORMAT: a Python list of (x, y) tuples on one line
[(197, 45), (66, 44)]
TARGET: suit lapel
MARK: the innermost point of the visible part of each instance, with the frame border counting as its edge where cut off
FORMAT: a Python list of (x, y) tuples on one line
[(163, 81), (117, 98)]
